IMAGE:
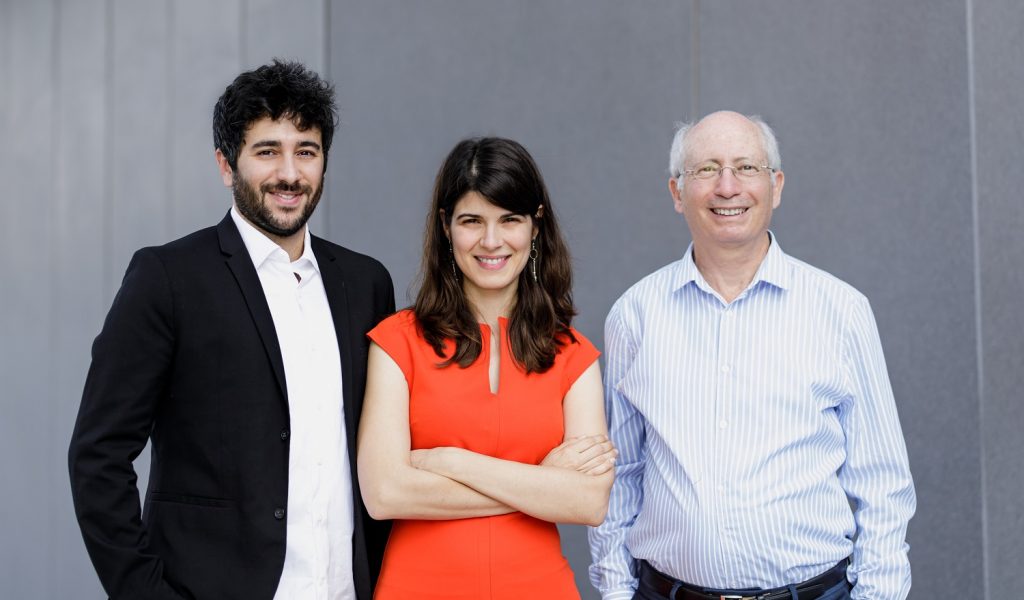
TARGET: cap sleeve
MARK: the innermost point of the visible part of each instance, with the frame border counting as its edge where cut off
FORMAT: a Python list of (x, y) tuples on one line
[(395, 335), (576, 358)]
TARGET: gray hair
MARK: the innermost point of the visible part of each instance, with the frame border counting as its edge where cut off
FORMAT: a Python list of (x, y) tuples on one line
[(677, 155)]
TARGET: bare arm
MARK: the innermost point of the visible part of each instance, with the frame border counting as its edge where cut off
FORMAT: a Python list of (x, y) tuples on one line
[(551, 493), (391, 487)]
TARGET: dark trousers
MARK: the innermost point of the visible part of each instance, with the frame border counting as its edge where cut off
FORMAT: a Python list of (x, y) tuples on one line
[(840, 591)]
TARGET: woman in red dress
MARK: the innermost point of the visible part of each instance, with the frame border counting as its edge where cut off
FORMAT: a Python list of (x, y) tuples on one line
[(483, 423)]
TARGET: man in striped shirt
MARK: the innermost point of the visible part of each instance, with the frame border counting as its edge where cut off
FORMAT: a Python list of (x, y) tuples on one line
[(760, 452)]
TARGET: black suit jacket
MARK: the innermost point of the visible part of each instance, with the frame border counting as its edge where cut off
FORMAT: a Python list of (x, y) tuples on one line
[(188, 359)]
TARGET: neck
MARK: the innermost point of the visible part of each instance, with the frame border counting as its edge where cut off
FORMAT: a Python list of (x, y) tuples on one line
[(293, 244), (729, 270), (489, 305)]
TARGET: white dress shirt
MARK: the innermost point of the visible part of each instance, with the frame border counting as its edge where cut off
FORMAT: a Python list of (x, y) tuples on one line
[(743, 429), (318, 556)]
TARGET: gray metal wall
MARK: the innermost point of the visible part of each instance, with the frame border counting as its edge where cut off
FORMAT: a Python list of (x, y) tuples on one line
[(901, 133)]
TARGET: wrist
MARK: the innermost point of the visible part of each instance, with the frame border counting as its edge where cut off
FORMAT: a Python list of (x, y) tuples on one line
[(442, 461)]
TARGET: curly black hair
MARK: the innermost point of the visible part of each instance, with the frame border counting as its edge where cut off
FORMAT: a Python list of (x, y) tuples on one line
[(281, 89)]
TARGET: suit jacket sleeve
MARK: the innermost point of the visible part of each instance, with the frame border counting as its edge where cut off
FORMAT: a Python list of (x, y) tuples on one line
[(131, 363)]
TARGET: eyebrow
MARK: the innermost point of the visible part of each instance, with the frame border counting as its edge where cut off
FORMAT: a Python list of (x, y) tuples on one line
[(277, 144), (474, 215), (736, 159)]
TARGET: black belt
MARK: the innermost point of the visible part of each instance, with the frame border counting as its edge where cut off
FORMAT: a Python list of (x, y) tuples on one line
[(808, 590)]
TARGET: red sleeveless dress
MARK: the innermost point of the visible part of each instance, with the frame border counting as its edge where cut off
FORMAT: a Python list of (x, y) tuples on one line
[(505, 557)]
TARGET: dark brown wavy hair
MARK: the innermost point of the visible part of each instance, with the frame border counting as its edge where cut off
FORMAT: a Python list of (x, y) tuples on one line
[(503, 172)]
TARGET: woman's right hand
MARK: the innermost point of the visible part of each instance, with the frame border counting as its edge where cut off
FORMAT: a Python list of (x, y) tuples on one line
[(589, 454)]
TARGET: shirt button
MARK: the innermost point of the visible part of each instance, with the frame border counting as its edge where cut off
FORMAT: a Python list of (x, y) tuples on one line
[(721, 488), (278, 513), (284, 435), (725, 368), (723, 424)]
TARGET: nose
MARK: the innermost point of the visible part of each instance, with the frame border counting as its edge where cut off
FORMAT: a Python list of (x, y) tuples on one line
[(728, 185), (287, 170), (492, 237)]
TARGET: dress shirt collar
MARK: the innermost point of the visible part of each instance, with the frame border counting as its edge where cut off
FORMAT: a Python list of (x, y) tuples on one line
[(261, 248), (773, 270)]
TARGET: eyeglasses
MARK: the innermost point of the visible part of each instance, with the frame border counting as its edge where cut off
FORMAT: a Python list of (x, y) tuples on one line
[(709, 171)]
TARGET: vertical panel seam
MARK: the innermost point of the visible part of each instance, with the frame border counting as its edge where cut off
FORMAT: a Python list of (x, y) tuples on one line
[(243, 33), (109, 188), (978, 321), (170, 174), (6, 51), (695, 61), (327, 74), (53, 223)]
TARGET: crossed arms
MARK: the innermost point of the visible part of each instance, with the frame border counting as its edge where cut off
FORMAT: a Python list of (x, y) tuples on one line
[(571, 485)]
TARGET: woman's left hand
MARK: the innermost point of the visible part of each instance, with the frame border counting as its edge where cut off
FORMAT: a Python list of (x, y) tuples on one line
[(429, 459)]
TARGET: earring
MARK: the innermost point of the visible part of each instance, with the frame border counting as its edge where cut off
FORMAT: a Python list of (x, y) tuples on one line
[(451, 256), (533, 258)]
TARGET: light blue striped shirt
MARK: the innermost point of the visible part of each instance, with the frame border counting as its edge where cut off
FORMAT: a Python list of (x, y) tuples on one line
[(747, 430)]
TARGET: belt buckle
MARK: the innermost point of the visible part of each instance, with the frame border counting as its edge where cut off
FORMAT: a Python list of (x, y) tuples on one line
[(731, 597)]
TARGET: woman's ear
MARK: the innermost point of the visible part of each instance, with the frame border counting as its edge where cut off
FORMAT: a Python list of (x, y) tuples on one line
[(444, 224)]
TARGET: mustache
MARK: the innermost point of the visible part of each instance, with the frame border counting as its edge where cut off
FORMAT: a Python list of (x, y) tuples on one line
[(286, 188)]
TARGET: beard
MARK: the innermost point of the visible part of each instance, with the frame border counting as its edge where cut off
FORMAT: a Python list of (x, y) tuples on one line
[(251, 204)]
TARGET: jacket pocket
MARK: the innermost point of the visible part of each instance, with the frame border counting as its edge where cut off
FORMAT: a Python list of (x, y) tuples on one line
[(191, 500)]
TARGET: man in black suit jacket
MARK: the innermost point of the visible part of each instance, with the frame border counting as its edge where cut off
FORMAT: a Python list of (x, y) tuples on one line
[(210, 351)]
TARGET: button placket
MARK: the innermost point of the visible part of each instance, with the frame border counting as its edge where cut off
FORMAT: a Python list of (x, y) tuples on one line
[(722, 427), (726, 354)]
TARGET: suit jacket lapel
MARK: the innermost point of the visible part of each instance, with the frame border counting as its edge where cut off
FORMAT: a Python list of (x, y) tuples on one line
[(337, 298), (240, 263)]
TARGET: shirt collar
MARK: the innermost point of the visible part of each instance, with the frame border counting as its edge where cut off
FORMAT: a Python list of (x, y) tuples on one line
[(261, 248), (773, 269)]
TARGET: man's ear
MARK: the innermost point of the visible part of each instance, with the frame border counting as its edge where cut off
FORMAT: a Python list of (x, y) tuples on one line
[(778, 180), (227, 174), (677, 194)]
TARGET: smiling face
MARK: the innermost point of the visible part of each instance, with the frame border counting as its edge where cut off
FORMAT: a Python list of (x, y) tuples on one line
[(491, 247), (279, 178), (727, 212)]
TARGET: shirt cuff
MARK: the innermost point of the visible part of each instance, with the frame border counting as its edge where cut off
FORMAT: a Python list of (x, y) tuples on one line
[(618, 594)]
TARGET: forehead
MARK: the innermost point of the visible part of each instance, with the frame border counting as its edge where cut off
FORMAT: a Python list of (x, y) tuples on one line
[(724, 137), (280, 130), (475, 203)]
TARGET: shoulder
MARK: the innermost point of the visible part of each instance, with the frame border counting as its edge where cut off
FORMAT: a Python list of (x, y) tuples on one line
[(577, 339), (399, 337), (809, 279), (648, 294), (197, 242), (401, 324), (178, 258), (574, 357), (658, 284), (403, 319)]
